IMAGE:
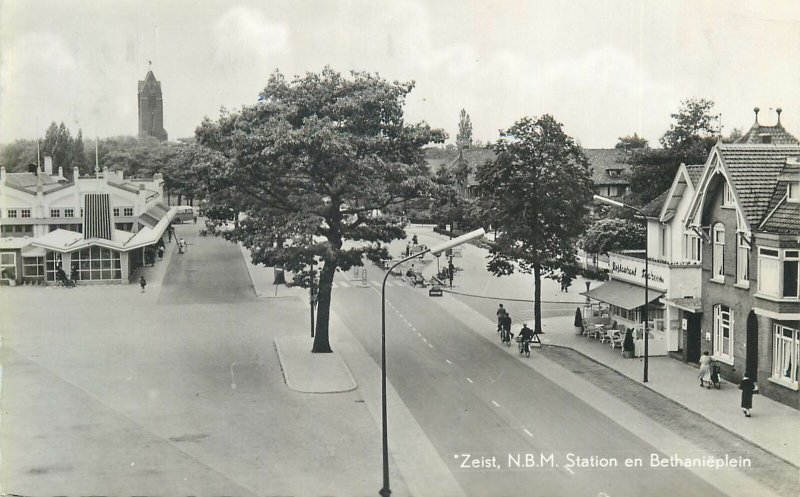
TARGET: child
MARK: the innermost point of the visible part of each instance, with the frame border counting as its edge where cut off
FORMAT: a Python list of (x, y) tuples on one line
[(142, 282)]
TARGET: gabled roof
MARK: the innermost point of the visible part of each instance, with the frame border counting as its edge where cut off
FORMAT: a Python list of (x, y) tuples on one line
[(665, 205), (783, 216), (695, 172), (776, 135), (603, 159), (473, 158), (653, 209), (28, 182), (752, 172), (149, 80)]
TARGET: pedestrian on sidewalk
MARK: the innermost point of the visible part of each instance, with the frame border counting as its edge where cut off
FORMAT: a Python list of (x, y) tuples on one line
[(142, 282), (408, 249), (451, 269), (414, 239), (181, 245), (705, 370), (748, 388)]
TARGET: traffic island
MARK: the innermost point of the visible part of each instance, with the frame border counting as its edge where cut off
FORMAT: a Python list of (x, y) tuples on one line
[(312, 373)]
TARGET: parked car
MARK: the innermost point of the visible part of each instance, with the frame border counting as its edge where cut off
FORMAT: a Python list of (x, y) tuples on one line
[(185, 214)]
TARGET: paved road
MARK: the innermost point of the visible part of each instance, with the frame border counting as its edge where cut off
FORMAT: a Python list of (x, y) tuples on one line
[(472, 398)]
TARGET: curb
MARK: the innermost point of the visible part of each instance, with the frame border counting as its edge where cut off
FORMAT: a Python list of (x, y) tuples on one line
[(289, 382), (737, 435)]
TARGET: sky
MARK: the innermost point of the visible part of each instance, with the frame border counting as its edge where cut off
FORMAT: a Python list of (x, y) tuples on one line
[(604, 69)]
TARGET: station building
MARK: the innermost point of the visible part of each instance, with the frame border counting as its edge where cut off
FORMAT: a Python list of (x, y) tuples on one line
[(96, 229)]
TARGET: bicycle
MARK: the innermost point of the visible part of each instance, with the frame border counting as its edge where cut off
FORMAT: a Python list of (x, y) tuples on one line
[(506, 336), (524, 347)]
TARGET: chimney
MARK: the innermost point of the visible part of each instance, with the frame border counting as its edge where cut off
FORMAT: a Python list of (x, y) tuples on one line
[(756, 109), (779, 110), (48, 165), (76, 173)]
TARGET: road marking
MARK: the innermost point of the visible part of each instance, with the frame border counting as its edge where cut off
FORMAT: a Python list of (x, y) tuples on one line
[(569, 469), (430, 345), (412, 327), (448, 361), (469, 380), (495, 404), (233, 380), (529, 433), (419, 334), (424, 339)]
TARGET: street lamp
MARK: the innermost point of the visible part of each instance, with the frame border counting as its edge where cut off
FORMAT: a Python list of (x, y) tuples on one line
[(438, 249), (646, 272)]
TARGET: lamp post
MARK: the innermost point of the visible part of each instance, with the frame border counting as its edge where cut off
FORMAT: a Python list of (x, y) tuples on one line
[(438, 249), (646, 272)]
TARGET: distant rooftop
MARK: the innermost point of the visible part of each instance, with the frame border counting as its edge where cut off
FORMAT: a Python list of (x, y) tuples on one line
[(761, 134)]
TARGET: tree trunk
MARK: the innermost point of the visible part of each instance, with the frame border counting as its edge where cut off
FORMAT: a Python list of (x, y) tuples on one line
[(537, 298), (180, 195), (322, 342)]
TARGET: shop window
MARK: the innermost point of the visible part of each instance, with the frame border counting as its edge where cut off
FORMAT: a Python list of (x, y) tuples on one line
[(723, 333), (69, 212), (718, 255), (25, 213), (52, 262), (742, 260), (97, 263), (790, 267), (12, 213), (33, 267), (786, 352), (8, 266), (55, 212)]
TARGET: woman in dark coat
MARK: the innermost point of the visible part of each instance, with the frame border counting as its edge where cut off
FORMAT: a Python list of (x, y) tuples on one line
[(747, 386)]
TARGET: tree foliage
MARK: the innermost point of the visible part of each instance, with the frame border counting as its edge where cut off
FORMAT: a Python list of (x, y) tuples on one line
[(464, 136), (535, 192), (689, 140), (313, 166), (631, 142), (607, 235), (448, 205)]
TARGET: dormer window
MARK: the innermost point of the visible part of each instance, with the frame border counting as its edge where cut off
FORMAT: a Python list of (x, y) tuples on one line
[(614, 173), (793, 192), (766, 138)]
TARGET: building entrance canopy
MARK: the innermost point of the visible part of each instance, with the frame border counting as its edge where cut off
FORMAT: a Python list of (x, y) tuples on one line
[(621, 294)]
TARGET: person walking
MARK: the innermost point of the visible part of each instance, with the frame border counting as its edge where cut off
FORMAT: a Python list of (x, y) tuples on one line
[(414, 239), (705, 370), (451, 269), (748, 388), (408, 249), (181, 245), (142, 282)]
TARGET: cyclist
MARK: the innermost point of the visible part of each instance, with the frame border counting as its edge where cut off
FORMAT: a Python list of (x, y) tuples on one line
[(525, 337), (501, 314)]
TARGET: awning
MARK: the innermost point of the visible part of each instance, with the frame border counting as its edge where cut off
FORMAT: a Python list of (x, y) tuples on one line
[(621, 294), (687, 304)]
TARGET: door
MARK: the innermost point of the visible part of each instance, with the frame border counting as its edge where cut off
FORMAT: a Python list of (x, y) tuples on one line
[(751, 360), (692, 336)]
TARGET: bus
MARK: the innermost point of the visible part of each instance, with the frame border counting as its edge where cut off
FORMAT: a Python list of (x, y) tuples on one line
[(185, 214)]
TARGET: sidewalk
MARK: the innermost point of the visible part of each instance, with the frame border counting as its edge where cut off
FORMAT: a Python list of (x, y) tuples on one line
[(769, 428), (415, 466)]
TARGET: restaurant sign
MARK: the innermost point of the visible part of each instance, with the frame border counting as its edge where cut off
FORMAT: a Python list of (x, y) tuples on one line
[(632, 269)]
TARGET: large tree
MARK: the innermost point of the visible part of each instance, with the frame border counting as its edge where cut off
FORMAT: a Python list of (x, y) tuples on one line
[(631, 142), (313, 166), (688, 140), (536, 192), (613, 234)]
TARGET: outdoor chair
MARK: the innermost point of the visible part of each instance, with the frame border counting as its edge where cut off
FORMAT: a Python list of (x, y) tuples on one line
[(617, 336)]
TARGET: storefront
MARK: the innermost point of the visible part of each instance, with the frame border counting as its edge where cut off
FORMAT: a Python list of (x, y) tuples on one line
[(623, 298)]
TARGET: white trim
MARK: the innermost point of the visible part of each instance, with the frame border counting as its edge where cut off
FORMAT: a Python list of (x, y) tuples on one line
[(784, 383), (780, 316)]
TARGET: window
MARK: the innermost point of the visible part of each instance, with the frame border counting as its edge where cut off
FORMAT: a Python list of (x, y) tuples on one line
[(96, 263), (33, 267), (793, 192), (692, 247), (790, 262), (69, 212), (52, 262), (18, 230), (25, 213), (742, 260), (115, 211), (727, 199), (785, 354), (127, 211), (12, 213), (723, 332), (664, 241), (768, 271), (8, 266), (718, 256), (55, 212)]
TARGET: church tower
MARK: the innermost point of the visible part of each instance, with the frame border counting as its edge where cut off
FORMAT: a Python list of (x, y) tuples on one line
[(151, 108)]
